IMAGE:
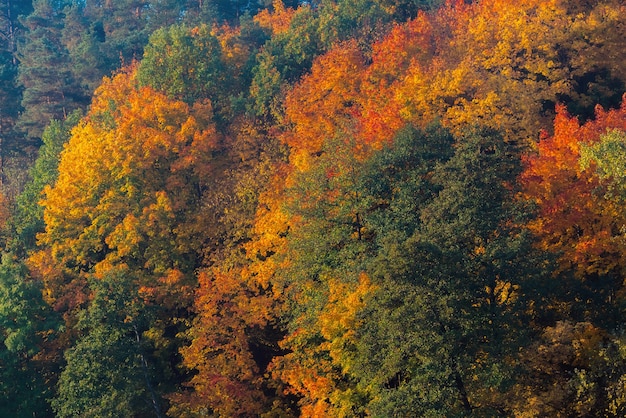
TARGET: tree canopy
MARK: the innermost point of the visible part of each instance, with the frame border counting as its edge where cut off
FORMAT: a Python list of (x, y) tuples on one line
[(339, 208)]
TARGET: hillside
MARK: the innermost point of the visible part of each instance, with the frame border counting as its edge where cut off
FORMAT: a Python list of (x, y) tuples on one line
[(346, 208)]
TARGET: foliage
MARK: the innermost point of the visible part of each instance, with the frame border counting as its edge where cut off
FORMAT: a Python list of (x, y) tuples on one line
[(107, 373), (140, 165), (577, 220), (451, 281), (50, 92), (10, 94), (130, 176), (330, 208), (28, 214), (229, 381), (184, 63), (574, 177), (26, 324)]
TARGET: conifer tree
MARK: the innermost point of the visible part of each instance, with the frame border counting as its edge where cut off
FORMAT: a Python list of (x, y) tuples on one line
[(10, 31), (50, 91)]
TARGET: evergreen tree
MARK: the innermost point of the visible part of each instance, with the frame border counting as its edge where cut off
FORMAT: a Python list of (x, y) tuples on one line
[(83, 37), (27, 219), (50, 91), (10, 28), (118, 30), (10, 94)]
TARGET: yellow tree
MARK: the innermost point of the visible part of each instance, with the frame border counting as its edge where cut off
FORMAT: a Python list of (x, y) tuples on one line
[(505, 64), (130, 179), (128, 204)]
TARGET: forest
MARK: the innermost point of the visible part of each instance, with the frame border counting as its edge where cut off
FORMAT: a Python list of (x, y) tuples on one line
[(312, 208)]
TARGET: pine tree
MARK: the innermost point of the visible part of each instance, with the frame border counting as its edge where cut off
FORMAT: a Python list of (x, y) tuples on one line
[(50, 91), (10, 94)]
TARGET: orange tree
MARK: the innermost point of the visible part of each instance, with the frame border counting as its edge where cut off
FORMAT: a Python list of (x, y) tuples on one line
[(575, 178), (578, 219)]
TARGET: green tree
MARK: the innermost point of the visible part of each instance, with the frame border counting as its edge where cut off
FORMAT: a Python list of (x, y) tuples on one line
[(10, 93), (184, 63), (102, 36), (10, 28), (84, 39), (326, 249), (122, 29), (608, 158), (26, 324), (27, 219), (448, 317), (108, 372), (50, 91), (284, 58), (398, 180)]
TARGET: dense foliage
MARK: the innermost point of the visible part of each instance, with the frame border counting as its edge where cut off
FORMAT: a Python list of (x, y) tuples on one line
[(339, 208)]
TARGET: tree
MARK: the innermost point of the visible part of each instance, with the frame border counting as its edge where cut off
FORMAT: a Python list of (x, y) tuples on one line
[(107, 372), (50, 92), (83, 36), (10, 31), (27, 219), (226, 349), (574, 178), (575, 369), (10, 10), (122, 29), (445, 327), (127, 205), (598, 77), (143, 158), (27, 324), (321, 278), (283, 59), (397, 267), (322, 265), (323, 102), (235, 332), (576, 220), (103, 36), (607, 157), (185, 63), (499, 64)]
